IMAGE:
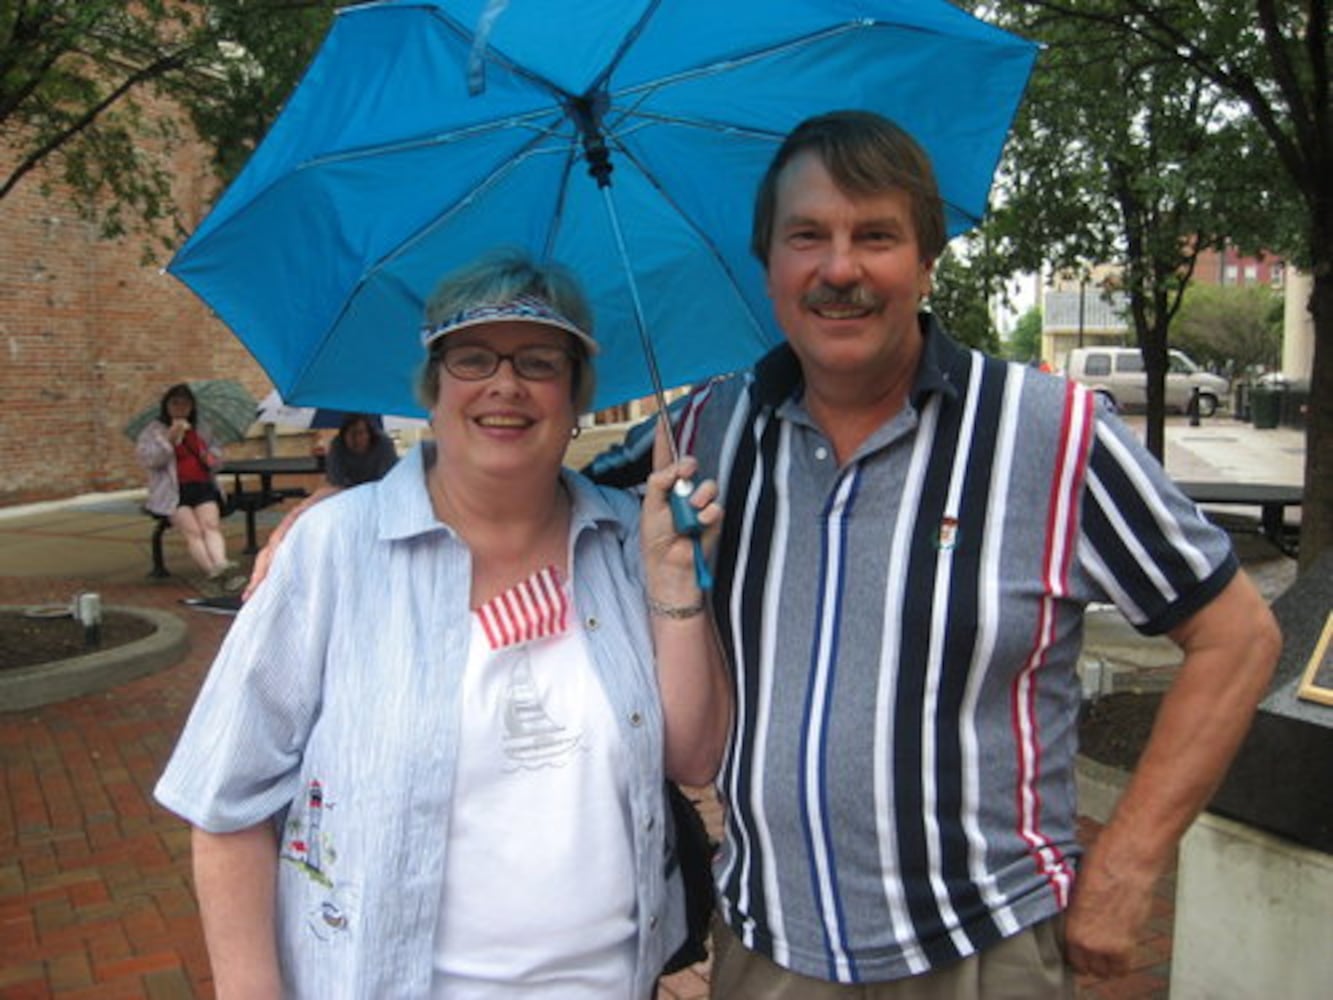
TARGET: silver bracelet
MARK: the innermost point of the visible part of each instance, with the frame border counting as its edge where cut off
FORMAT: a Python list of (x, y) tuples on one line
[(677, 611)]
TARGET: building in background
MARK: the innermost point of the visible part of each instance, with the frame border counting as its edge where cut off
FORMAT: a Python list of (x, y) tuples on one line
[(1231, 267), (91, 334), (1083, 310)]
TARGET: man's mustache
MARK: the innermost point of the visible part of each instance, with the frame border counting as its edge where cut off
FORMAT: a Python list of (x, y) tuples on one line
[(855, 297)]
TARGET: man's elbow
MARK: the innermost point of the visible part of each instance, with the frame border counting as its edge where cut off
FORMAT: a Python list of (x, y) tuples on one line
[(1266, 643)]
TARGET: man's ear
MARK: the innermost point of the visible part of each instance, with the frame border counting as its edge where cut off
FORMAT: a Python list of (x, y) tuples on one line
[(925, 279)]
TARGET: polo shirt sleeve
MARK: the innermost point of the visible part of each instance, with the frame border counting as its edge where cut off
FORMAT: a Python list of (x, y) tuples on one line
[(1145, 544), (238, 759)]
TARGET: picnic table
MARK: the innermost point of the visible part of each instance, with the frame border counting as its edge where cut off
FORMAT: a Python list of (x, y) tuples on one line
[(1272, 499), (252, 501)]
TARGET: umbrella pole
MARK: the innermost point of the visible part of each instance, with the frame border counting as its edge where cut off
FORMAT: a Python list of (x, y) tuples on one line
[(683, 515), (640, 323)]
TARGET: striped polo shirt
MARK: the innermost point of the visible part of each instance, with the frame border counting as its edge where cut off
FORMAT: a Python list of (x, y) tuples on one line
[(904, 632)]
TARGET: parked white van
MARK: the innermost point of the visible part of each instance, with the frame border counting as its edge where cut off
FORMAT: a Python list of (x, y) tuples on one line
[(1117, 373)]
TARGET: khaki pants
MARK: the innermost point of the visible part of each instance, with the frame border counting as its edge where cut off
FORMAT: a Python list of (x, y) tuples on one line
[(1028, 966)]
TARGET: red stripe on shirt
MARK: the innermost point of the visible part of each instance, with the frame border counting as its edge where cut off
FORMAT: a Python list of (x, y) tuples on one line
[(1061, 537)]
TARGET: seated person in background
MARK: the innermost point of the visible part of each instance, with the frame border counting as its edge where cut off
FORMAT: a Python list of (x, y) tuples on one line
[(360, 453), (180, 455)]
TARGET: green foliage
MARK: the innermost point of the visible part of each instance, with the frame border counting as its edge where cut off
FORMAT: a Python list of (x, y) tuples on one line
[(1025, 341), (1125, 155), (1262, 168), (959, 297), (1230, 327), (98, 91)]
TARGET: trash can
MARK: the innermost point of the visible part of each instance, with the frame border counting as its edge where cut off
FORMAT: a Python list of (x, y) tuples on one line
[(1265, 407)]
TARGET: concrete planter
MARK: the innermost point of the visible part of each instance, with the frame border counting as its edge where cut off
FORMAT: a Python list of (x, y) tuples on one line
[(29, 687)]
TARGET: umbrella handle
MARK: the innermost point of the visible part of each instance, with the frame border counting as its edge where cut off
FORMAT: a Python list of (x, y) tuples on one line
[(686, 521)]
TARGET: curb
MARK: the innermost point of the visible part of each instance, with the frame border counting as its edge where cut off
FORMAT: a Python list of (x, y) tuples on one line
[(31, 687)]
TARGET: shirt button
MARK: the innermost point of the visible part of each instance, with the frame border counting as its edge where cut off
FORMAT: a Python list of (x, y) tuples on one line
[(635, 719), (650, 823), (592, 624), (821, 453), (652, 922)]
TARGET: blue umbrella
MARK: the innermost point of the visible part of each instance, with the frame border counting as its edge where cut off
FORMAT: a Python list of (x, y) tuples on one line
[(426, 132)]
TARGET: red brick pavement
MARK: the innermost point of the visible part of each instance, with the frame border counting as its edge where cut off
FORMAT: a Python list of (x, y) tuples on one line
[(95, 896)]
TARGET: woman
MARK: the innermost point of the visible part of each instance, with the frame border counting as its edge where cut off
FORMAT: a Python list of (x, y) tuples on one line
[(359, 453), (429, 759), (179, 456)]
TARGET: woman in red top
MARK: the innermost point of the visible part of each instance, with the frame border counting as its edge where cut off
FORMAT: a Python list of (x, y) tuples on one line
[(180, 457)]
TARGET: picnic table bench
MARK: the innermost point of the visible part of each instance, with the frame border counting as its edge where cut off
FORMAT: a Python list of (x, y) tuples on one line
[(1272, 499), (252, 501)]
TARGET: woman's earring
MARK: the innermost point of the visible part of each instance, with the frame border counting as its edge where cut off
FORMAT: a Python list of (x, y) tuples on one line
[(576, 431)]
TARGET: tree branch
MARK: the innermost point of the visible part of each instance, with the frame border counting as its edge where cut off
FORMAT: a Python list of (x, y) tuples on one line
[(153, 70)]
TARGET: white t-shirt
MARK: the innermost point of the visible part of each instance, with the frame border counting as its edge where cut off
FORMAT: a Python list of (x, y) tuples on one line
[(539, 892)]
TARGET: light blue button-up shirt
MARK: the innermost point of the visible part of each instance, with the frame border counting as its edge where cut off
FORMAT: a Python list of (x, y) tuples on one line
[(333, 707)]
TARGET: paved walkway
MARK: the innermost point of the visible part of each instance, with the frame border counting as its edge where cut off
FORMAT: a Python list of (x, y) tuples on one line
[(95, 897)]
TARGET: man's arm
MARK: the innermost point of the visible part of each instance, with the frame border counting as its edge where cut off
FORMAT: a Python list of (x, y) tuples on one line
[(1231, 647), (235, 876)]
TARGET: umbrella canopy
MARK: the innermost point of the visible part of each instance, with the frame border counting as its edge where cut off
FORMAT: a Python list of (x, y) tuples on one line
[(424, 133), (225, 408), (272, 410)]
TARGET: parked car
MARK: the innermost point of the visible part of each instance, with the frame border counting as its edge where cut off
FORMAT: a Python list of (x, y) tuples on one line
[(1117, 374)]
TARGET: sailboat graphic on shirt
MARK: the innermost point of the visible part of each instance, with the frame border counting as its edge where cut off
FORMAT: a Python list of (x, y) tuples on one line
[(532, 737), (534, 609)]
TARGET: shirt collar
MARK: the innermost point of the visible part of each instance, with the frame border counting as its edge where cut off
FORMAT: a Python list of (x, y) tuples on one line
[(777, 375), (405, 508)]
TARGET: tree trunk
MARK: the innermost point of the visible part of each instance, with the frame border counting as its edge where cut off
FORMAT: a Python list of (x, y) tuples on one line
[(1317, 507)]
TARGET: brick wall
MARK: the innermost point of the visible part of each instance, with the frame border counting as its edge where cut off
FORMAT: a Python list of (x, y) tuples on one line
[(89, 335)]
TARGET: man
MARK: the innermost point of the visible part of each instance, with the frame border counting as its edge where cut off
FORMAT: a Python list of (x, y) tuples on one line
[(912, 533)]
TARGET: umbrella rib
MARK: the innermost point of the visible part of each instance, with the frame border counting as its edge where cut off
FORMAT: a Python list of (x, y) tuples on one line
[(443, 217), (527, 120), (641, 118), (728, 63), (626, 43), (704, 238)]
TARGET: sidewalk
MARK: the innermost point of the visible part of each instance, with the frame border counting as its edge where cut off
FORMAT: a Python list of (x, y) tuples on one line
[(95, 896)]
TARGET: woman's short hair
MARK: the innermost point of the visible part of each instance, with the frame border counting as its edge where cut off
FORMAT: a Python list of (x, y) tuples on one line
[(499, 277), (181, 390), (865, 154)]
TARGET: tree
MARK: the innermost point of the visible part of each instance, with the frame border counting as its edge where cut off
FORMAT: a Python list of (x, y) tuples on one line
[(87, 89), (1025, 341), (1121, 156), (1232, 328), (1273, 58), (959, 297)]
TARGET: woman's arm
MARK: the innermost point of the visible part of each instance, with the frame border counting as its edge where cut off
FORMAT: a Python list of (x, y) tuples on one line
[(152, 448), (235, 876), (691, 668)]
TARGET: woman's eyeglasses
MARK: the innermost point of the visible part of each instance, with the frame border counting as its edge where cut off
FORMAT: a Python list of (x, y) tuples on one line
[(538, 363)]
